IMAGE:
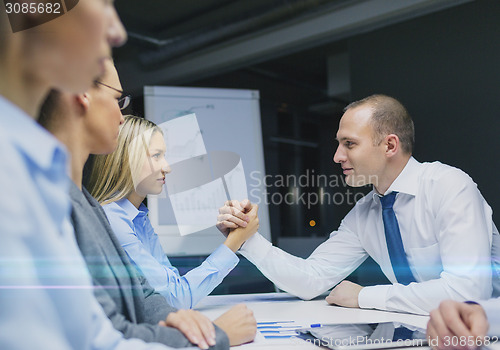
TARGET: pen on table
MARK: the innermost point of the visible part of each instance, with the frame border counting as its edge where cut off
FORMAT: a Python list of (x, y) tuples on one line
[(278, 336), (270, 336), (291, 331), (314, 325), (272, 327), (274, 322)]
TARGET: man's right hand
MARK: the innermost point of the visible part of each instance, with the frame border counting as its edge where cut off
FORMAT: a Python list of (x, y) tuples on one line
[(455, 321), (239, 324)]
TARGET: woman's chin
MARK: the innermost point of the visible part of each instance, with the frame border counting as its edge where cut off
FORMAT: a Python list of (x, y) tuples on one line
[(157, 192)]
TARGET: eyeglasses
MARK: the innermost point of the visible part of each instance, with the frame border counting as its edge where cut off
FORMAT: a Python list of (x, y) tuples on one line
[(123, 101)]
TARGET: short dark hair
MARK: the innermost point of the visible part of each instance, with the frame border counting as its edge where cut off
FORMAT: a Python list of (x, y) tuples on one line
[(389, 116)]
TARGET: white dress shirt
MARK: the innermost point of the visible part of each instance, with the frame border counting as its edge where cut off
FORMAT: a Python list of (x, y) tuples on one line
[(446, 228), (138, 238)]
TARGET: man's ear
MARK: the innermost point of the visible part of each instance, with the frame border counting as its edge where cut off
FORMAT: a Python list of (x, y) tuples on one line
[(83, 102), (392, 144)]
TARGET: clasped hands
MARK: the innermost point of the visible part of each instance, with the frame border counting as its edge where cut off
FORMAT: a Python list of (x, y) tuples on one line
[(238, 221)]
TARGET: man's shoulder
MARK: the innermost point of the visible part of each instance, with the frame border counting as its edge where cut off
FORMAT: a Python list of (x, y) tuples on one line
[(443, 174), (438, 166)]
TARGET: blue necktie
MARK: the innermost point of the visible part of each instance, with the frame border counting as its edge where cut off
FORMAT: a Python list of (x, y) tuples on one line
[(395, 247)]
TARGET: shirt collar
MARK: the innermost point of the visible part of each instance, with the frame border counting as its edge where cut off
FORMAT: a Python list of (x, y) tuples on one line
[(131, 210), (40, 146), (407, 180)]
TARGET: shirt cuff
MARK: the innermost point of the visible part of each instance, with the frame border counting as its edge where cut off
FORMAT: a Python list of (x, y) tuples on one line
[(256, 248), (223, 259), (373, 297)]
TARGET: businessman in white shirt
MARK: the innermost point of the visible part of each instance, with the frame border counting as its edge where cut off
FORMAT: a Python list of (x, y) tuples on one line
[(432, 236)]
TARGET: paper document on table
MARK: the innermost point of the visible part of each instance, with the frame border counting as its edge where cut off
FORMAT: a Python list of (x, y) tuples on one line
[(279, 329), (259, 338)]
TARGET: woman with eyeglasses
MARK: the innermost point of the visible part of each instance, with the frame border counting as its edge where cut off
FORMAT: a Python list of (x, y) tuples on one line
[(121, 181), (123, 100)]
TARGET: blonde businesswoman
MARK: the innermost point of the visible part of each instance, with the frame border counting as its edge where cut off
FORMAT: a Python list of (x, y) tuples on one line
[(120, 182)]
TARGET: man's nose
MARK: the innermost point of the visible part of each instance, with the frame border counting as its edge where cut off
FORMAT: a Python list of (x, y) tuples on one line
[(339, 155)]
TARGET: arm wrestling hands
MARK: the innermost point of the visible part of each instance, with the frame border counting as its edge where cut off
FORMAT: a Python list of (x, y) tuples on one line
[(238, 221), (238, 323), (457, 325)]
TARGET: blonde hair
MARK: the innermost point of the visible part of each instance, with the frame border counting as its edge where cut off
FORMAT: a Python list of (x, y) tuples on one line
[(113, 175)]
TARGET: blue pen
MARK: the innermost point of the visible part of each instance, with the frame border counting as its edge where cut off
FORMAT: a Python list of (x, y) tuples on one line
[(274, 322), (314, 325), (279, 332), (278, 336)]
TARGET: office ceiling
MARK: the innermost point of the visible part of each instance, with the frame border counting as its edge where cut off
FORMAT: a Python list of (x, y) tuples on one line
[(170, 19), (185, 41), (161, 31)]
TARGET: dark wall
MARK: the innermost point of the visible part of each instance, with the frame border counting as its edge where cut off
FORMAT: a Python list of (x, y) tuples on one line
[(445, 68)]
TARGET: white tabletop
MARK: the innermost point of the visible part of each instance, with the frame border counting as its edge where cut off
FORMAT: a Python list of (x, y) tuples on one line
[(271, 307)]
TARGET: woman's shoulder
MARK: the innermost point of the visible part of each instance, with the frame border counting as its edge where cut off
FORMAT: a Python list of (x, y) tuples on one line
[(118, 217)]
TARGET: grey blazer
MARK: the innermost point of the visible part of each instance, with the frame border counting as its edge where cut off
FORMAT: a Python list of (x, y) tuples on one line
[(128, 300)]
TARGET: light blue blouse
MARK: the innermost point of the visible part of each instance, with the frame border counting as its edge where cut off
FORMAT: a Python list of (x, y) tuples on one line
[(137, 237)]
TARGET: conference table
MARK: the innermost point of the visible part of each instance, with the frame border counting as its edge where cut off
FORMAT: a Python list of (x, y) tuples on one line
[(283, 307)]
